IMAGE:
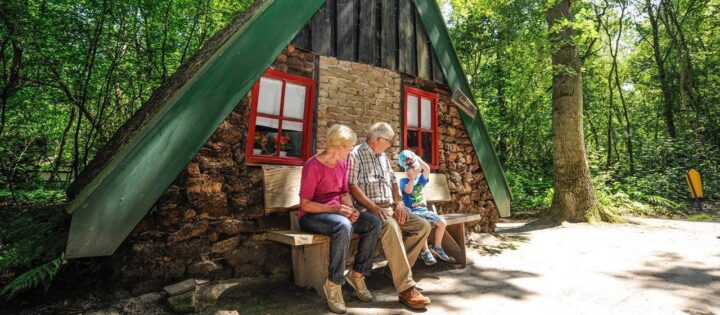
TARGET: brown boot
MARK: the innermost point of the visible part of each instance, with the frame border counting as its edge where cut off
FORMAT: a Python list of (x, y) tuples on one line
[(413, 299)]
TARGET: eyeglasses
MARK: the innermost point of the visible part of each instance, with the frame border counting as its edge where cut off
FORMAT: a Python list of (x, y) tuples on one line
[(386, 139)]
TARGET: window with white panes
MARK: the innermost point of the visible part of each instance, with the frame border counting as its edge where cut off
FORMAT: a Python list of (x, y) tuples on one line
[(280, 126)]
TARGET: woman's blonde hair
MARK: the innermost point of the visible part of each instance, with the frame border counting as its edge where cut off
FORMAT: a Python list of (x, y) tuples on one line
[(340, 135)]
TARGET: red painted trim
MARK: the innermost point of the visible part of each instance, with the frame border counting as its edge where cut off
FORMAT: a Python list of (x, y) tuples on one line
[(307, 119), (433, 97)]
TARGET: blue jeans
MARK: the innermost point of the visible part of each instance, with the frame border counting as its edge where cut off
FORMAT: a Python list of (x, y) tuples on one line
[(340, 230)]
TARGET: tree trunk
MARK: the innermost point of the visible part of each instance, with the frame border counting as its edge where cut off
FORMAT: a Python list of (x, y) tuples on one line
[(662, 75), (574, 198)]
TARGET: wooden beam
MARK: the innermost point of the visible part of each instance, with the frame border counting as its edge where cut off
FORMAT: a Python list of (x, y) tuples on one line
[(346, 30), (388, 35), (368, 41), (302, 39), (423, 58), (406, 37), (322, 29)]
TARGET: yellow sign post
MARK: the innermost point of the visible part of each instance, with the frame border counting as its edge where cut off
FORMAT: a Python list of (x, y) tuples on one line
[(694, 180)]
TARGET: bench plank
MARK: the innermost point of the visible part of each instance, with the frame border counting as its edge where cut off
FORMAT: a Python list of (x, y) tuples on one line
[(437, 189), (297, 238), (456, 218)]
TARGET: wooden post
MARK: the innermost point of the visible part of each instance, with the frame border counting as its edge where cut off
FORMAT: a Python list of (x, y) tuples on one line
[(310, 266)]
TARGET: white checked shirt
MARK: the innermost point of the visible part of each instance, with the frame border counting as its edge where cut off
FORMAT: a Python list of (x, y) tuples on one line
[(372, 173)]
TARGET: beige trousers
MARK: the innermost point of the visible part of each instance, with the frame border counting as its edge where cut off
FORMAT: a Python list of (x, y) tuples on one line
[(402, 253)]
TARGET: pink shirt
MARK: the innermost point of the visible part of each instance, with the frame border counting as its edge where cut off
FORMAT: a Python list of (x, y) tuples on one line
[(323, 184)]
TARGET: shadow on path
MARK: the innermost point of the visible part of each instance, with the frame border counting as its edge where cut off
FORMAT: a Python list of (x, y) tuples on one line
[(692, 280), (539, 224)]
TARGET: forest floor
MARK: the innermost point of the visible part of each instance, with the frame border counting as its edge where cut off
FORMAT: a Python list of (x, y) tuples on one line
[(650, 266)]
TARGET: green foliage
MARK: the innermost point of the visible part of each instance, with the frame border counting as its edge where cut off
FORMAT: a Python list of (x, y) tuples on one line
[(40, 196), (32, 241), (32, 278), (532, 195), (505, 52), (86, 67)]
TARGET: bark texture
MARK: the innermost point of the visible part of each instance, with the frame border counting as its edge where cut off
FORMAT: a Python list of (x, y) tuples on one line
[(574, 198)]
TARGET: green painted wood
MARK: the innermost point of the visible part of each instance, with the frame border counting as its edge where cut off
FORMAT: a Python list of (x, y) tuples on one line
[(434, 24), (107, 210)]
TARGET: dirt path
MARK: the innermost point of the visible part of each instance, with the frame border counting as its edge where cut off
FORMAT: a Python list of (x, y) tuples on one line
[(658, 267)]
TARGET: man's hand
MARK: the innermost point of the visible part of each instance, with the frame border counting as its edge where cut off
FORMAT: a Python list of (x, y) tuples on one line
[(380, 212), (401, 214)]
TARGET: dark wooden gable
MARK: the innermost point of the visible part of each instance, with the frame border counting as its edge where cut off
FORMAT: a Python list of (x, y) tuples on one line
[(383, 33)]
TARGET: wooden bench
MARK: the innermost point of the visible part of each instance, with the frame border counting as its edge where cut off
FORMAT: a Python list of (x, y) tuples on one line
[(310, 251)]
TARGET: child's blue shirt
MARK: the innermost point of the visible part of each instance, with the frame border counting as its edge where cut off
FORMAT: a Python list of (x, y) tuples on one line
[(416, 199)]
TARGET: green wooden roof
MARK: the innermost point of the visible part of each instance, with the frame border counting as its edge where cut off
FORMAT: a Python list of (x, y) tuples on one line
[(117, 194)]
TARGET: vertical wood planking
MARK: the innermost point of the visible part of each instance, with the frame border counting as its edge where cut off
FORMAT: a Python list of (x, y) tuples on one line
[(368, 41), (322, 29), (406, 38), (302, 39), (388, 35), (423, 58), (436, 68), (346, 29)]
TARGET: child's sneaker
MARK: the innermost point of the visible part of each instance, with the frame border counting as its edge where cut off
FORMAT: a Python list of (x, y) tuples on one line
[(427, 258), (440, 253)]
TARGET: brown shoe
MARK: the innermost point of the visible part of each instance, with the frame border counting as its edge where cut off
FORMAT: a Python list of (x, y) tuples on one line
[(413, 299)]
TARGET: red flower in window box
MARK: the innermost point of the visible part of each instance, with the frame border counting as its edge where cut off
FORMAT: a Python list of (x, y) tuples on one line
[(284, 143)]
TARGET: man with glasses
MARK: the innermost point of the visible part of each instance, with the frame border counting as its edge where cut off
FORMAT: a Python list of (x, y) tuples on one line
[(374, 187)]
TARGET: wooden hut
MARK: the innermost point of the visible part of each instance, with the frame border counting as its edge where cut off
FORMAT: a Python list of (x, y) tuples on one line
[(178, 191)]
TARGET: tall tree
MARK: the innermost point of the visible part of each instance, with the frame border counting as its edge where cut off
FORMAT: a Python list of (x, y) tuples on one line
[(574, 197), (662, 74)]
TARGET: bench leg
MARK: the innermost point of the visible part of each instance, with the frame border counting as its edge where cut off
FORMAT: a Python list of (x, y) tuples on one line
[(454, 242), (310, 266)]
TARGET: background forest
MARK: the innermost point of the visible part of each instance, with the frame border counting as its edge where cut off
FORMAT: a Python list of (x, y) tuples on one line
[(74, 71)]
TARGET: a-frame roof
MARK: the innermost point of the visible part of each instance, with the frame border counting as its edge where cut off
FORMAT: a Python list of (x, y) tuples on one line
[(143, 158)]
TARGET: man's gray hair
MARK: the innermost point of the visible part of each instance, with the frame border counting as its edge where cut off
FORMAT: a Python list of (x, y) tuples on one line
[(380, 129)]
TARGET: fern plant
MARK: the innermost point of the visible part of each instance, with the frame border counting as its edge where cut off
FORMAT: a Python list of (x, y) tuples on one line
[(32, 278), (31, 249)]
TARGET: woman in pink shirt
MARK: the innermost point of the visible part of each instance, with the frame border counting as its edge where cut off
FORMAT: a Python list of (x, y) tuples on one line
[(326, 208)]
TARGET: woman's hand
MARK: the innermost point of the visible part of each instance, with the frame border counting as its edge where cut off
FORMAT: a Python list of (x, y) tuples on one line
[(344, 210), (354, 216)]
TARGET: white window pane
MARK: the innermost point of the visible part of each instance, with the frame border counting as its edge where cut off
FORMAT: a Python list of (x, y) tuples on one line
[(412, 111), (294, 101), (269, 98), (266, 122), (426, 116), (292, 125)]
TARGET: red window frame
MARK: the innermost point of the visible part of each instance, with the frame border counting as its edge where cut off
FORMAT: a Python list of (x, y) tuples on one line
[(307, 119), (433, 97)]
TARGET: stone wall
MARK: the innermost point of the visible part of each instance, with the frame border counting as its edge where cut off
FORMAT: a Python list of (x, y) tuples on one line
[(210, 222)]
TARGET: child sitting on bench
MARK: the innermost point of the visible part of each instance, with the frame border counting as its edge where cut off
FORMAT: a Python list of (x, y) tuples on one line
[(418, 175)]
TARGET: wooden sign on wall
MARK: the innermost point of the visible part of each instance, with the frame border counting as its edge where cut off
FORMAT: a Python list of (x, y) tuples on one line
[(463, 102)]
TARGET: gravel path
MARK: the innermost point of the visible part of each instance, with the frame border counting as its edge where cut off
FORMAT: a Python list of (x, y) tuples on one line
[(653, 267)]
